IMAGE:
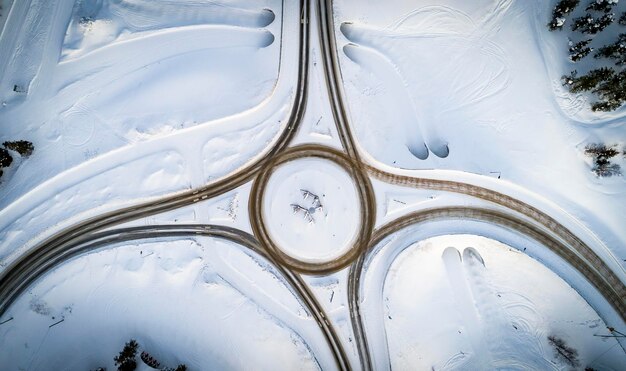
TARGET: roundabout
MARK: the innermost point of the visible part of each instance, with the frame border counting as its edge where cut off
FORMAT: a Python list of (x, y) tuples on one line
[(326, 215), (312, 213)]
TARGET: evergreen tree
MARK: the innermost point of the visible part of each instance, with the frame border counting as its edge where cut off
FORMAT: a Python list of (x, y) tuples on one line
[(579, 50), (622, 19), (23, 147), (5, 158), (564, 352), (615, 51), (561, 9), (612, 92), (587, 82), (607, 170), (601, 155), (590, 25), (125, 361), (601, 5), (600, 150)]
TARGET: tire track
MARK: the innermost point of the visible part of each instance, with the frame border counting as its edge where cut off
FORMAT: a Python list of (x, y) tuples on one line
[(545, 229), (43, 263)]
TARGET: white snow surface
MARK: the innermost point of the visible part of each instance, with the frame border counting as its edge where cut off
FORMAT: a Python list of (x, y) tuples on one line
[(199, 301), (464, 86), (135, 99), (183, 92), (331, 225), (488, 306)]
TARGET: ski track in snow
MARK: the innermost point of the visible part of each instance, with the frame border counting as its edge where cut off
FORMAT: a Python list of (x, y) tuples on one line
[(487, 319), (100, 87), (135, 18), (377, 50), (198, 269)]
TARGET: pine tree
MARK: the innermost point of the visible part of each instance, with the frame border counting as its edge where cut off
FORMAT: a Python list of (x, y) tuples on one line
[(561, 9), (125, 361), (612, 92), (601, 5), (622, 19), (604, 21), (579, 50), (590, 25), (23, 147), (564, 352), (587, 82), (5, 158), (616, 51), (600, 150), (601, 155)]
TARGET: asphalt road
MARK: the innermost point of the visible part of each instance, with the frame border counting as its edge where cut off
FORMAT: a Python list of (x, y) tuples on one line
[(545, 229), (521, 217)]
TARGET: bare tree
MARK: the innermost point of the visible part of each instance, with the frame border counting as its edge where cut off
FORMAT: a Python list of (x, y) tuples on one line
[(563, 351)]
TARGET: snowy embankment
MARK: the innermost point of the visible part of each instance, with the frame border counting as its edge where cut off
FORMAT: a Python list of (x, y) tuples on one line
[(554, 48), (312, 209), (463, 87), (165, 104), (207, 303), (483, 311)]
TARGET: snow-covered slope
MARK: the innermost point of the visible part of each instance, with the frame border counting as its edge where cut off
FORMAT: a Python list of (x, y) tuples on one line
[(464, 86), (204, 302), (168, 104), (479, 292)]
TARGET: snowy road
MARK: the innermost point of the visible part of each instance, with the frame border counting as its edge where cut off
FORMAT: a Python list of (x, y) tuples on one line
[(605, 274)]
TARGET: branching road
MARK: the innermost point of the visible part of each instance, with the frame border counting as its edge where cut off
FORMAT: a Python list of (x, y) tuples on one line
[(74, 235), (521, 217), (545, 230), (50, 259)]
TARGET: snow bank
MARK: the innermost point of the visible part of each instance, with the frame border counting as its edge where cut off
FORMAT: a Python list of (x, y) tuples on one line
[(453, 85), (199, 301), (473, 304)]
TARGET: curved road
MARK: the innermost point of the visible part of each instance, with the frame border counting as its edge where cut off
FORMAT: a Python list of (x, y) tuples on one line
[(51, 259), (539, 226), (217, 188), (572, 249)]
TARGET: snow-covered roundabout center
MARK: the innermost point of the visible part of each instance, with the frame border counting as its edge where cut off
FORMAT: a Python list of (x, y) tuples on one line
[(305, 185), (311, 209)]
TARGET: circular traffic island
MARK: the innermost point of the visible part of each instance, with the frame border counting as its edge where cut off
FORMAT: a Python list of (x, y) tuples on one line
[(312, 209)]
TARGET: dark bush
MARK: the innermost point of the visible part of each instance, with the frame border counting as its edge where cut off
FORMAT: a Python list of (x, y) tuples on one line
[(23, 147), (561, 9), (564, 352), (125, 361), (590, 25)]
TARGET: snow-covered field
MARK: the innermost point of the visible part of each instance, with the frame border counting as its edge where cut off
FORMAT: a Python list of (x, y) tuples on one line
[(468, 294), (315, 223), (463, 85), (131, 100), (203, 302), (166, 105)]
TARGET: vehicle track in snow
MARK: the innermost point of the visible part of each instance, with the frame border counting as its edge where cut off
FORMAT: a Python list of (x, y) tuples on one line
[(520, 216), (51, 259), (544, 229)]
